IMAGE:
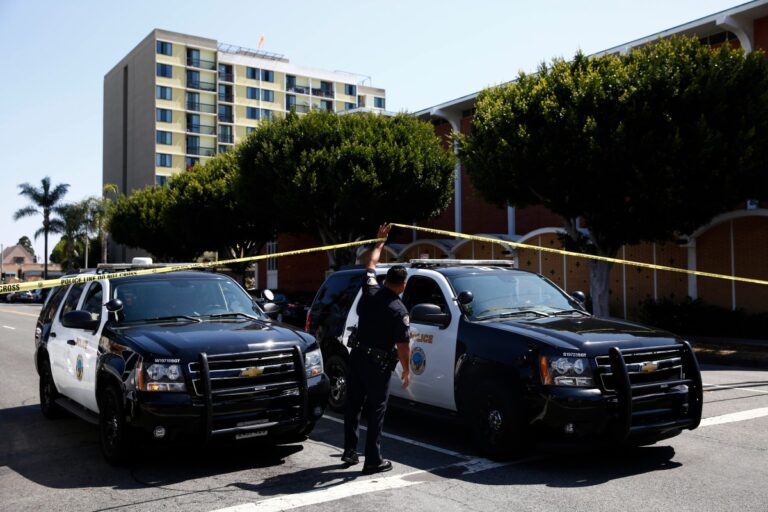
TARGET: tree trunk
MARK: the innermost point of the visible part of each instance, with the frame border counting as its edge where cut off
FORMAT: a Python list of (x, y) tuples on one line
[(599, 276), (103, 246)]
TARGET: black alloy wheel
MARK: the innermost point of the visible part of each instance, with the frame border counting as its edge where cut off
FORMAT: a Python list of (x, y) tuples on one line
[(496, 426), (336, 369), (114, 433), (48, 393)]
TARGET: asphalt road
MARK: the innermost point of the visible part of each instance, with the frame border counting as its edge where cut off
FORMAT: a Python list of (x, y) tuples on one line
[(56, 465)]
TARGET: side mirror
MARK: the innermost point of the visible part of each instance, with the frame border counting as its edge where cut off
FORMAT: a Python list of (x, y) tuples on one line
[(271, 309), (429, 314), (79, 319), (268, 295), (579, 297), (465, 297), (114, 305)]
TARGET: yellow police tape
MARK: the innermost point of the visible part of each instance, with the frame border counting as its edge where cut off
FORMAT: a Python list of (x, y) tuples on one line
[(582, 255), (85, 278)]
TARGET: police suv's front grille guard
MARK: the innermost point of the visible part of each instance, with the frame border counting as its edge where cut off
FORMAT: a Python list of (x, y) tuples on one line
[(208, 395), (625, 396)]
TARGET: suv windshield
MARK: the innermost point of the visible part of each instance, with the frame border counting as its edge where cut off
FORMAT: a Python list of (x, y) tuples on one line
[(184, 298), (510, 294)]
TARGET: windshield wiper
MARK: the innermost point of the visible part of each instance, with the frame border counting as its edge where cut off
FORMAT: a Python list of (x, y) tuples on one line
[(516, 312), (234, 315), (569, 311), (165, 318)]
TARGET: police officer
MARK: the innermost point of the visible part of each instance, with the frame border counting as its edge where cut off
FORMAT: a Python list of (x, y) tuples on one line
[(382, 337)]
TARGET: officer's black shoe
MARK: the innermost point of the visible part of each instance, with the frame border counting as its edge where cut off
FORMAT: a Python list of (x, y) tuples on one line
[(350, 457), (385, 465)]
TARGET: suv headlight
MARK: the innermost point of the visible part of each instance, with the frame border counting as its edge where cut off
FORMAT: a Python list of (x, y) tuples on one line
[(566, 371), (160, 377), (313, 363)]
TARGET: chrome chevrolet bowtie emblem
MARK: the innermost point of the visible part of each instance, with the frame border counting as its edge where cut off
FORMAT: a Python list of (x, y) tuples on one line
[(649, 367), (253, 371)]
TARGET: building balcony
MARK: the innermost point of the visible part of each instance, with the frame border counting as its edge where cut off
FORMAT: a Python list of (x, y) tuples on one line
[(201, 107), (227, 138), (200, 151), (227, 98), (226, 118), (201, 63), (226, 77), (301, 89), (201, 128), (298, 108), (323, 93), (200, 85)]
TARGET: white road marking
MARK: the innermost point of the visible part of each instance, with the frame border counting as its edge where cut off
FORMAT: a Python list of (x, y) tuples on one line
[(410, 441), (735, 387), (9, 327), (736, 416)]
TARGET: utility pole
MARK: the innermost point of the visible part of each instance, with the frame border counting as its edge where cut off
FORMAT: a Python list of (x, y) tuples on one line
[(2, 276)]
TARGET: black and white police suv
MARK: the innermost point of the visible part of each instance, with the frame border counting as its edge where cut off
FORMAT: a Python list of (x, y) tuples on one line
[(174, 354), (517, 357)]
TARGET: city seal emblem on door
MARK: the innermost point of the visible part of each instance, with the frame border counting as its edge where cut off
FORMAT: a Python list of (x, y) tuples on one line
[(79, 368), (418, 360)]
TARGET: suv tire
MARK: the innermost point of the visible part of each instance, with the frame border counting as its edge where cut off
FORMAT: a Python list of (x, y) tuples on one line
[(495, 422), (336, 369), (48, 393), (115, 436)]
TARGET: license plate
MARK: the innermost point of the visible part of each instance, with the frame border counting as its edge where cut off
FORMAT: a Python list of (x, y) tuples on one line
[(248, 435)]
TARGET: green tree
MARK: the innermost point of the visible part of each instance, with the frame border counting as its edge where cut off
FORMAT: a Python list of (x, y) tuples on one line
[(26, 243), (642, 147), (100, 211), (72, 224), (194, 213), (339, 177), (44, 199)]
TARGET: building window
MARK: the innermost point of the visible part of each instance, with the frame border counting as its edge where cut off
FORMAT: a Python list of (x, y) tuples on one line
[(252, 93), (225, 73), (272, 249), (267, 95), (267, 75), (164, 115), (225, 114), (190, 162), (266, 114), (163, 93), (164, 70), (349, 106), (163, 160), (164, 137), (161, 180), (378, 102), (251, 112), (223, 149), (249, 130), (350, 90), (252, 73), (164, 48)]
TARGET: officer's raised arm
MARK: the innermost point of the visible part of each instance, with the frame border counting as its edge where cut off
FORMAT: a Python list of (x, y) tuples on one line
[(384, 230)]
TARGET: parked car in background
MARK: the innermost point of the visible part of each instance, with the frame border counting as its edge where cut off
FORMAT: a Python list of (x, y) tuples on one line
[(291, 310), (25, 296)]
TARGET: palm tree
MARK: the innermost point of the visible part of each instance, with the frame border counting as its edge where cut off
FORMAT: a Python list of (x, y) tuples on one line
[(99, 213), (72, 224), (44, 200)]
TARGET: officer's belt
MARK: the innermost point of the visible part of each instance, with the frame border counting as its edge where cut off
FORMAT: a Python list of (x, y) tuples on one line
[(380, 355)]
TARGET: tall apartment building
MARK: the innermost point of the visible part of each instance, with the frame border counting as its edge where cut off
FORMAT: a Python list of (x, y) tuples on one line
[(176, 100)]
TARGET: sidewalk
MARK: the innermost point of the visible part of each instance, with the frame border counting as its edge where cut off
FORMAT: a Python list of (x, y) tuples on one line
[(731, 351)]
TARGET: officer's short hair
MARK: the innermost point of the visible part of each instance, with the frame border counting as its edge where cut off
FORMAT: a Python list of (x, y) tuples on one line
[(396, 275)]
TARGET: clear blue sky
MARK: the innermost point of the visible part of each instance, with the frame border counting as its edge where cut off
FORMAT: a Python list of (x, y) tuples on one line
[(423, 52)]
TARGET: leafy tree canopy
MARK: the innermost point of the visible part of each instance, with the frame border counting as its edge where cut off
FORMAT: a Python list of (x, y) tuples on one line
[(26, 243), (339, 177), (642, 147)]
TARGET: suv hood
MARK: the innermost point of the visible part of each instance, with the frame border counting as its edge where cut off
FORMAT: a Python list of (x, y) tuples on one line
[(588, 334), (187, 340)]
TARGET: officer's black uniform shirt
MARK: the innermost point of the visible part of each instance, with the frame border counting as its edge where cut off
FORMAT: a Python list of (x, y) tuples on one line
[(383, 317)]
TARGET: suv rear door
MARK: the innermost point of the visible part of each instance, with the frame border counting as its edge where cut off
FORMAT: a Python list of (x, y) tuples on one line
[(85, 350), (61, 342)]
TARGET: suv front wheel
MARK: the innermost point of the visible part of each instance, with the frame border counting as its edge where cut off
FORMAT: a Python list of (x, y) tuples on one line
[(495, 422), (336, 369), (114, 433)]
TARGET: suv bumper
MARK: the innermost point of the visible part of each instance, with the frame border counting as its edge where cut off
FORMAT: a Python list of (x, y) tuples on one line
[(638, 413), (182, 415)]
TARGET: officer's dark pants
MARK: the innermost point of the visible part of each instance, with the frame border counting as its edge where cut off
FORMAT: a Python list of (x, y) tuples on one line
[(367, 385)]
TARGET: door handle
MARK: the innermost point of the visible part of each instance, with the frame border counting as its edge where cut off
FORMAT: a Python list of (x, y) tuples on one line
[(71, 342), (53, 335)]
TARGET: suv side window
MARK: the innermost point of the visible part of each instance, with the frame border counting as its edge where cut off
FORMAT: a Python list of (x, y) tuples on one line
[(423, 290), (93, 300), (53, 304), (70, 303), (333, 300)]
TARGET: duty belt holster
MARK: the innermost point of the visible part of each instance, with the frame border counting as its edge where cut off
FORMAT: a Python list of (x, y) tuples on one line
[(386, 360)]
